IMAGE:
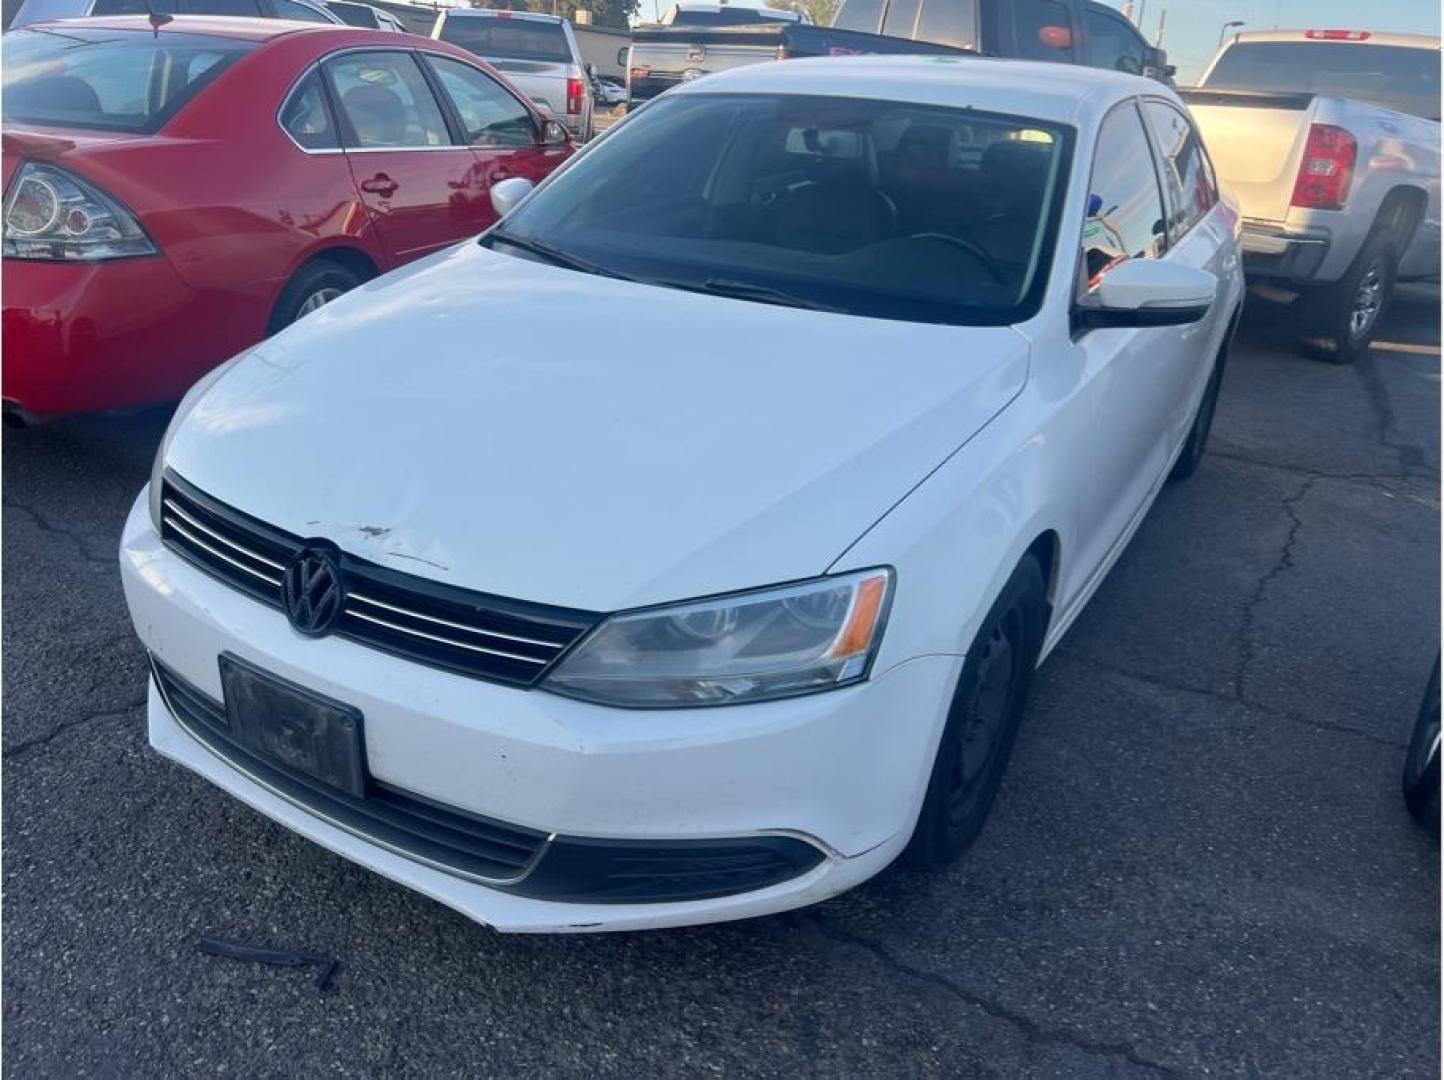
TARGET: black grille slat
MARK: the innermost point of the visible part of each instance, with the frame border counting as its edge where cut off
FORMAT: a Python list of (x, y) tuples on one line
[(410, 825), (458, 630)]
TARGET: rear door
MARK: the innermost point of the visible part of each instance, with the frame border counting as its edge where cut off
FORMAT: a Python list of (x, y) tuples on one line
[(502, 132), (421, 185)]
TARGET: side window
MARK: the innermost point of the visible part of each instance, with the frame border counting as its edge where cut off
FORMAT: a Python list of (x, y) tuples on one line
[(386, 101), (1191, 192), (307, 118), (1044, 30), (1125, 209), (489, 114), (1112, 43), (289, 9)]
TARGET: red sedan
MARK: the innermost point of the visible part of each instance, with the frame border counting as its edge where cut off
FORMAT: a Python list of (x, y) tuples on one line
[(174, 194)]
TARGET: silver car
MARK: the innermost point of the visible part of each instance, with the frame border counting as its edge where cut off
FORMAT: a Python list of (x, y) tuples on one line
[(539, 53)]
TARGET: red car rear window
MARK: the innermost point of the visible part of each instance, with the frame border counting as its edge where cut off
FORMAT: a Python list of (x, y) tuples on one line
[(108, 80)]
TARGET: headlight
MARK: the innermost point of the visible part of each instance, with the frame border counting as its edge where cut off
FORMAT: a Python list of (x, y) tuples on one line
[(751, 646), (54, 215), (187, 403)]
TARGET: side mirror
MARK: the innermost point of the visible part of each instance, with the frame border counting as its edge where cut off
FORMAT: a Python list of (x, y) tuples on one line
[(591, 70), (1147, 292), (553, 134), (505, 194)]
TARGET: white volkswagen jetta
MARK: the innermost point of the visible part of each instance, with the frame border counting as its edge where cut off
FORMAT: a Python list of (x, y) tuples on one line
[(682, 549)]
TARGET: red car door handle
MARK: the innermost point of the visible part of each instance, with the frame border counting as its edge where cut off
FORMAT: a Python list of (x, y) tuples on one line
[(380, 184)]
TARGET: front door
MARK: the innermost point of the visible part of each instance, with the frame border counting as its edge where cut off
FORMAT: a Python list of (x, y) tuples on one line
[(422, 189)]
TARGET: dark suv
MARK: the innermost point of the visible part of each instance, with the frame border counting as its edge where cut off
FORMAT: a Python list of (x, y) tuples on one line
[(1064, 31)]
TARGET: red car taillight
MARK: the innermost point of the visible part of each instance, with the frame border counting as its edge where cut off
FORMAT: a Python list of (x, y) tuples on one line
[(574, 97), (51, 214), (1327, 169)]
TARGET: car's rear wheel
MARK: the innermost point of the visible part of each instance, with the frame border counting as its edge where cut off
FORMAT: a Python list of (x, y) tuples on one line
[(1341, 320), (314, 286), (982, 721), (1191, 455)]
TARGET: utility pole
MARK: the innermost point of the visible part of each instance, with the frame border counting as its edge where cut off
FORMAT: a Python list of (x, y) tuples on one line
[(1162, 18), (1142, 7)]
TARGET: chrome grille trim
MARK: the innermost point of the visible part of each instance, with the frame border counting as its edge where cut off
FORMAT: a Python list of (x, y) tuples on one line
[(447, 622), (449, 642), (170, 503), (198, 542)]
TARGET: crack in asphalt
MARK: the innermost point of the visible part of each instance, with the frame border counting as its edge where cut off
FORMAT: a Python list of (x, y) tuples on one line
[(24, 746), (1244, 639), (81, 545), (1411, 456), (1373, 480), (1031, 1030), (1070, 656)]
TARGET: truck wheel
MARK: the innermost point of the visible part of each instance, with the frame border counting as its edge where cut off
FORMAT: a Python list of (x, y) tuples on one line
[(1342, 319)]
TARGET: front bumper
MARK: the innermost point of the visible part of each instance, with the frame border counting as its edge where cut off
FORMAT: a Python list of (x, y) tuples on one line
[(843, 771)]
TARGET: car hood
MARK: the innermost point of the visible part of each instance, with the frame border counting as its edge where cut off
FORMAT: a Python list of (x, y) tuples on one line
[(553, 436)]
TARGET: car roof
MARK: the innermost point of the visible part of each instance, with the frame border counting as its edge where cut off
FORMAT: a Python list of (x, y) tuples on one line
[(1063, 93), (245, 28), (1417, 41)]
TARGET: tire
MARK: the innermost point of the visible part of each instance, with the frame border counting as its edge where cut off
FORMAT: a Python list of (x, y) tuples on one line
[(1340, 321), (1192, 453), (982, 722), (314, 285), (1421, 765)]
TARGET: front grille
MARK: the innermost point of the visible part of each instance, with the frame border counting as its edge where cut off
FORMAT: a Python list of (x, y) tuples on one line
[(471, 633), (479, 848)]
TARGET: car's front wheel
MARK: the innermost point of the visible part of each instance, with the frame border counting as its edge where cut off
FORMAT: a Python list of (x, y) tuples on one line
[(982, 721)]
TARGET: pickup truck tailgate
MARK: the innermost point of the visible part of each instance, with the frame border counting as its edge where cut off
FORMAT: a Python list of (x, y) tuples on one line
[(1256, 141)]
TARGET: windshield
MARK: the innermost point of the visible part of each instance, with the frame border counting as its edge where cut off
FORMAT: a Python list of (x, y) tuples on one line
[(108, 80), (876, 208), (509, 39), (1394, 76)]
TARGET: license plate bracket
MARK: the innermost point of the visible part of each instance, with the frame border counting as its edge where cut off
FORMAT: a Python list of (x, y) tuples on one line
[(294, 727)]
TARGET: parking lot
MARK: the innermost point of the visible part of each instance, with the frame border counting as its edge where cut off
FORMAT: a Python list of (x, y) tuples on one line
[(1199, 862)]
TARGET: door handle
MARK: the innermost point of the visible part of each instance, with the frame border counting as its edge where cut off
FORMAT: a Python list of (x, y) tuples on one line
[(380, 184)]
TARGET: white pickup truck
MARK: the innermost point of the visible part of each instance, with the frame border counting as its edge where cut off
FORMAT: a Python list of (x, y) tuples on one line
[(1329, 140)]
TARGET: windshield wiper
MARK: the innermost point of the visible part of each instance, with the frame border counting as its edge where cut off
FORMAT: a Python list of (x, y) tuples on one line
[(746, 290), (557, 257)]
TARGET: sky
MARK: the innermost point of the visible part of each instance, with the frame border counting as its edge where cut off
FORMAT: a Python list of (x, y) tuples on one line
[(1192, 29)]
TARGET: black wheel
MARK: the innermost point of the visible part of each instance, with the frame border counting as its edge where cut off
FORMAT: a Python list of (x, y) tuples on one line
[(1192, 453), (315, 285), (982, 722), (1421, 766), (1342, 319)]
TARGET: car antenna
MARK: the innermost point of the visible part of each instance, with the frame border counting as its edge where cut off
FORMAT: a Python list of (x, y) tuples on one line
[(157, 19)]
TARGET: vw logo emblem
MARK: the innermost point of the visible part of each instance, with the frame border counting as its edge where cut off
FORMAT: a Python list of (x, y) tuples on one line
[(312, 592)]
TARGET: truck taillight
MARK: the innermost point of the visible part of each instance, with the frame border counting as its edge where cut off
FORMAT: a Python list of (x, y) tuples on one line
[(574, 97), (1337, 35), (1327, 169)]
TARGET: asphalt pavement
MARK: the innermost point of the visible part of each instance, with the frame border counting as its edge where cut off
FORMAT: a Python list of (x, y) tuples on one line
[(1199, 863)]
